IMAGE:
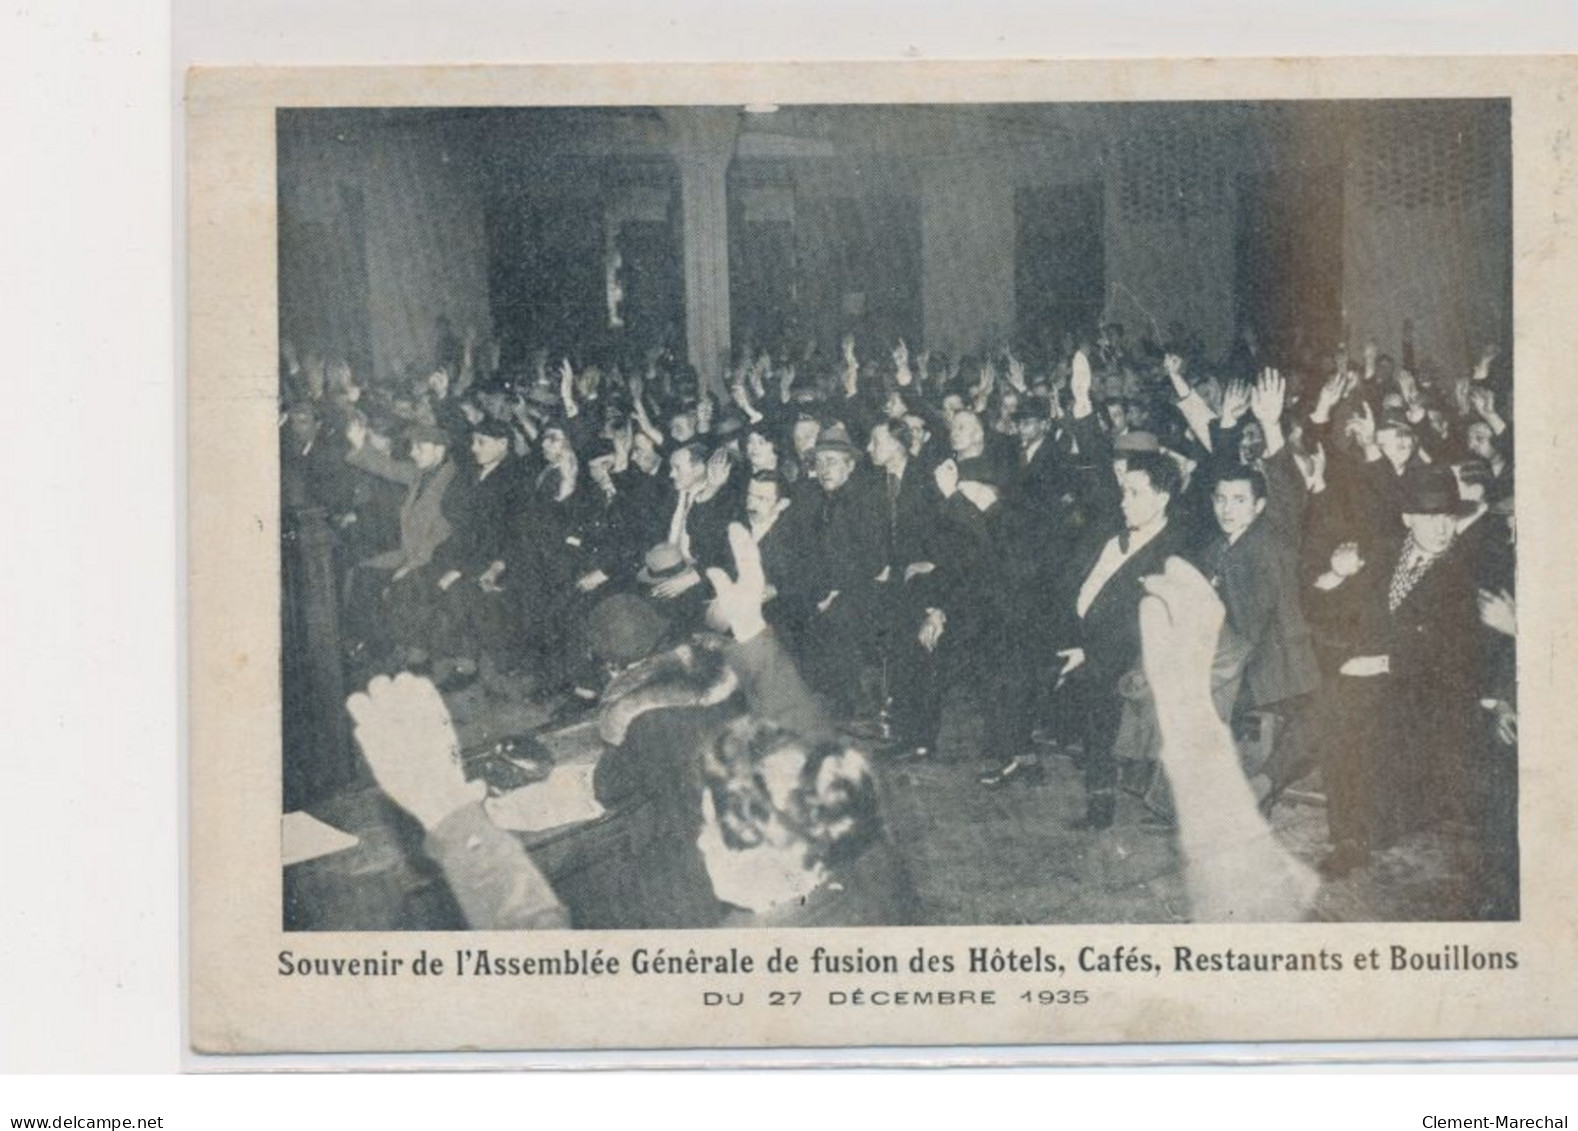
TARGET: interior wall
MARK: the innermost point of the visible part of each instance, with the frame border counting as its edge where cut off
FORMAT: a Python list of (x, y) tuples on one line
[(1171, 214), (967, 255), (1427, 232), (422, 236)]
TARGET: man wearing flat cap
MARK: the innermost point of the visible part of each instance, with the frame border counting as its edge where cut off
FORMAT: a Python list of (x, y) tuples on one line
[(1396, 619)]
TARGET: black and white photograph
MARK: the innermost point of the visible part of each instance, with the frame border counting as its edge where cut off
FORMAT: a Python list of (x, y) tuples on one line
[(883, 515)]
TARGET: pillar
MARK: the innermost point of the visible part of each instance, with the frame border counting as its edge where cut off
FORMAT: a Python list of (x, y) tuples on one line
[(703, 141)]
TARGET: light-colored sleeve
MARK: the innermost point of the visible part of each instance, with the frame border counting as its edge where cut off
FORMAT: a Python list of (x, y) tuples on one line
[(1198, 415), (496, 883), (371, 460)]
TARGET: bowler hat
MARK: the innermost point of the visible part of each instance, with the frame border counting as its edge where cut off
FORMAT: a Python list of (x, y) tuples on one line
[(492, 426), (1431, 489)]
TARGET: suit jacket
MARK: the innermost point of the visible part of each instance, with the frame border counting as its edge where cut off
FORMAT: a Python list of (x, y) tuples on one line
[(1109, 631), (1041, 483), (423, 526), (910, 518), (1430, 638), (482, 515), (846, 538), (555, 543), (634, 522), (1435, 675), (783, 551), (1257, 579), (317, 477)]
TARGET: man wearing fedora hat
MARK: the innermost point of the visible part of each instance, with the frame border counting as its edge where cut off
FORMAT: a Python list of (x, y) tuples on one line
[(482, 505), (845, 547), (1397, 621)]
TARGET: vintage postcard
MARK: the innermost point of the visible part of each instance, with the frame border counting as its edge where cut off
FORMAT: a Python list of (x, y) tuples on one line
[(880, 555)]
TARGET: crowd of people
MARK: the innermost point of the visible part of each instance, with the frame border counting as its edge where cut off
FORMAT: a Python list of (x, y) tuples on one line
[(980, 530)]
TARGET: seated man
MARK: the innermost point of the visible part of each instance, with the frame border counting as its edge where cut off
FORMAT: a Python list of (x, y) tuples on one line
[(401, 609), (482, 507)]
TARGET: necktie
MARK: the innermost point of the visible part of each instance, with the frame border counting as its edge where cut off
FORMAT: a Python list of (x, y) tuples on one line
[(1411, 566), (1123, 541)]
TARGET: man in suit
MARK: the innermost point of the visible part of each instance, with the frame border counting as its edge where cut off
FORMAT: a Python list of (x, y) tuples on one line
[(1106, 621), (403, 610), (482, 505), (1041, 475), (845, 535), (1398, 618), (771, 518), (909, 505), (1253, 562), (636, 518)]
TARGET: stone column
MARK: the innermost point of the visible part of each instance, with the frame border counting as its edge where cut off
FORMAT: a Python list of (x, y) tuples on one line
[(703, 143)]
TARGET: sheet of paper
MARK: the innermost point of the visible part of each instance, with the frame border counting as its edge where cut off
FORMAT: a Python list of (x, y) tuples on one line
[(304, 837), (565, 798)]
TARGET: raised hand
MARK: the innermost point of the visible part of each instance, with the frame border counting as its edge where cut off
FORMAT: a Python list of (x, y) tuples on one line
[(1482, 370), (1506, 723), (718, 467), (1268, 397), (1073, 659), (1235, 402), (1180, 622), (1460, 396), (1173, 366), (737, 600), (1483, 400), (1016, 373), (947, 477), (404, 730), (1079, 382), (1498, 611), (569, 474), (1330, 396), (1345, 560), (1361, 426)]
